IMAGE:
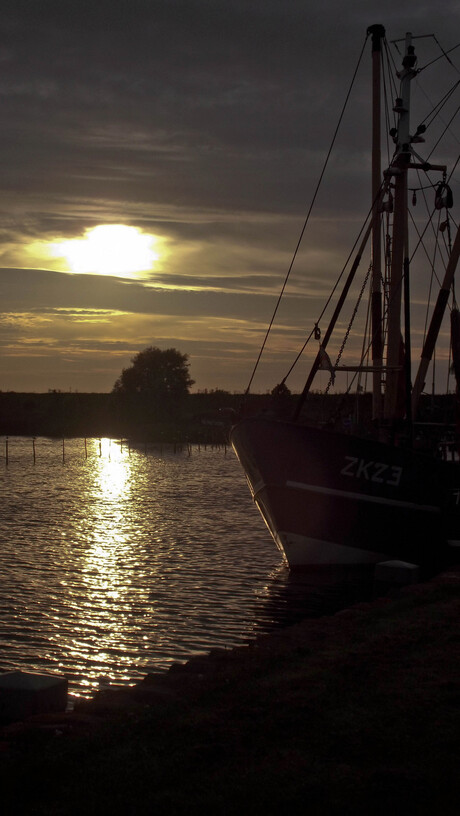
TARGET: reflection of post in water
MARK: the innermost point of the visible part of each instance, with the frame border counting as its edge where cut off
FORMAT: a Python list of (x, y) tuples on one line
[(106, 450)]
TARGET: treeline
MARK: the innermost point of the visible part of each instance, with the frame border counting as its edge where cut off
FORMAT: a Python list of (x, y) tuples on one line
[(200, 417)]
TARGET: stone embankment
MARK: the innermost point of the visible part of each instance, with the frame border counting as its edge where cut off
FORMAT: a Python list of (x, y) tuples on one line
[(357, 713)]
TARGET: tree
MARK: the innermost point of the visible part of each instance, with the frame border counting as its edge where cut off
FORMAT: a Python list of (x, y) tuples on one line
[(158, 380)]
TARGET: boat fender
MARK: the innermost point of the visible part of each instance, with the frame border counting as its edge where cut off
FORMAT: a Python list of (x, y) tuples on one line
[(443, 196)]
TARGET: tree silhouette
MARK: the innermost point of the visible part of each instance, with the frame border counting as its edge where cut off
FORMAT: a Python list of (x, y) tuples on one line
[(158, 381)]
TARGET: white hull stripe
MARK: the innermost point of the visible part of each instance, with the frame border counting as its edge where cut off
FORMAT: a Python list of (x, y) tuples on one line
[(345, 494)]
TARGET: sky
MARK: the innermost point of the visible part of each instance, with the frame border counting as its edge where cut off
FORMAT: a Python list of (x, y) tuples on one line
[(157, 162)]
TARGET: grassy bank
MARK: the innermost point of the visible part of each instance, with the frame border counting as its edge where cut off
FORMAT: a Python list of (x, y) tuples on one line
[(352, 714)]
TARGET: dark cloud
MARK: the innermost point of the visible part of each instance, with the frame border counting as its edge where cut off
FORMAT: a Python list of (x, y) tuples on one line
[(203, 121)]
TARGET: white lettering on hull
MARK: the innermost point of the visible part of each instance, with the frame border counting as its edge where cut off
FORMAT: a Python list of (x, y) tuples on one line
[(377, 472)]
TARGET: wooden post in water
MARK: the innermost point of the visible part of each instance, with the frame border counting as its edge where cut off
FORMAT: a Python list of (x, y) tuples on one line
[(6, 450), (100, 447), (63, 449), (33, 448), (86, 449)]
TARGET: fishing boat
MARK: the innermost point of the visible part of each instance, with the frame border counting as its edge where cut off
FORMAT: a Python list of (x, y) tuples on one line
[(360, 490)]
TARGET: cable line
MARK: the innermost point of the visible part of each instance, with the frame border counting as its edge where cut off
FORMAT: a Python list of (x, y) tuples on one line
[(280, 296)]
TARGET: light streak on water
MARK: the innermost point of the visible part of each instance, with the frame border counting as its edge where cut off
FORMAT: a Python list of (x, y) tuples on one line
[(122, 562)]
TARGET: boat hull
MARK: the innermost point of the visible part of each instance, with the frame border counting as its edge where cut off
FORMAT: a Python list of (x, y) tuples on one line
[(330, 498)]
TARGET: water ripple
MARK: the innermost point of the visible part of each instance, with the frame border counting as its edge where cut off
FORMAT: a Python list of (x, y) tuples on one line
[(119, 563)]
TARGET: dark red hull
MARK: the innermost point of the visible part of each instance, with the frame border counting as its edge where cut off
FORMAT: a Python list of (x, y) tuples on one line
[(331, 498)]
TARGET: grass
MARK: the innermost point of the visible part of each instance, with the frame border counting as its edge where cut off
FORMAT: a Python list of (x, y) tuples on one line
[(352, 714)]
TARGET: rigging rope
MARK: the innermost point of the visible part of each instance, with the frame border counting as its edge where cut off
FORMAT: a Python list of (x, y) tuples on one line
[(444, 54), (350, 324), (307, 217), (315, 329)]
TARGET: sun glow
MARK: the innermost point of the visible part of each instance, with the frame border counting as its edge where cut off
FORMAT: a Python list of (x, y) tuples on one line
[(110, 249)]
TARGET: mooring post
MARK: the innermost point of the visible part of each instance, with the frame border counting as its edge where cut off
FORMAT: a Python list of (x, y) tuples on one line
[(33, 448), (86, 449), (6, 450), (63, 449)]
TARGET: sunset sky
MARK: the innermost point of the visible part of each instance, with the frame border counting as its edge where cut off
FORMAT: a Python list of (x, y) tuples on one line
[(158, 158)]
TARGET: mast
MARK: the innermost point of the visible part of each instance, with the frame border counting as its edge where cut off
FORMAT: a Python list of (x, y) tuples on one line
[(400, 255), (435, 324), (378, 33)]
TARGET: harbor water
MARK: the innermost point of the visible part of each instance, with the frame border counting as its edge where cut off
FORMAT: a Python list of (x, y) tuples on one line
[(116, 562)]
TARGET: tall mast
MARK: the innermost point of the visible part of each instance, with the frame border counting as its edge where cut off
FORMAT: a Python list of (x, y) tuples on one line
[(399, 260), (435, 324), (378, 33)]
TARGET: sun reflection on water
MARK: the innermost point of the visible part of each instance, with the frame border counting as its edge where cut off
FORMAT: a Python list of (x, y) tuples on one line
[(105, 614), (119, 562)]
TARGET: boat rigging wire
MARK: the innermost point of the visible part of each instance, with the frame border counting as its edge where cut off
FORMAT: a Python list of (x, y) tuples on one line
[(434, 112), (444, 54), (428, 120), (350, 323), (314, 330), (439, 105), (326, 162), (444, 131), (387, 79)]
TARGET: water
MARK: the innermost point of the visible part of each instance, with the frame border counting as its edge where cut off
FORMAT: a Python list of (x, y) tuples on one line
[(115, 563)]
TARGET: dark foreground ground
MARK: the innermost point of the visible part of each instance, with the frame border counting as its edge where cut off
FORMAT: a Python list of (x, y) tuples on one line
[(358, 713)]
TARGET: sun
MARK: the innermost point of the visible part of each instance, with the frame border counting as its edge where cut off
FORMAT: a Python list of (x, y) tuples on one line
[(110, 249)]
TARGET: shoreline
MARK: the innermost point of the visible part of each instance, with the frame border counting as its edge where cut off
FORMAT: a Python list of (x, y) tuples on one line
[(353, 713)]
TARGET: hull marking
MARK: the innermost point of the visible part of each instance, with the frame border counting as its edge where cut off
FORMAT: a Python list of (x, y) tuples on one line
[(346, 494)]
